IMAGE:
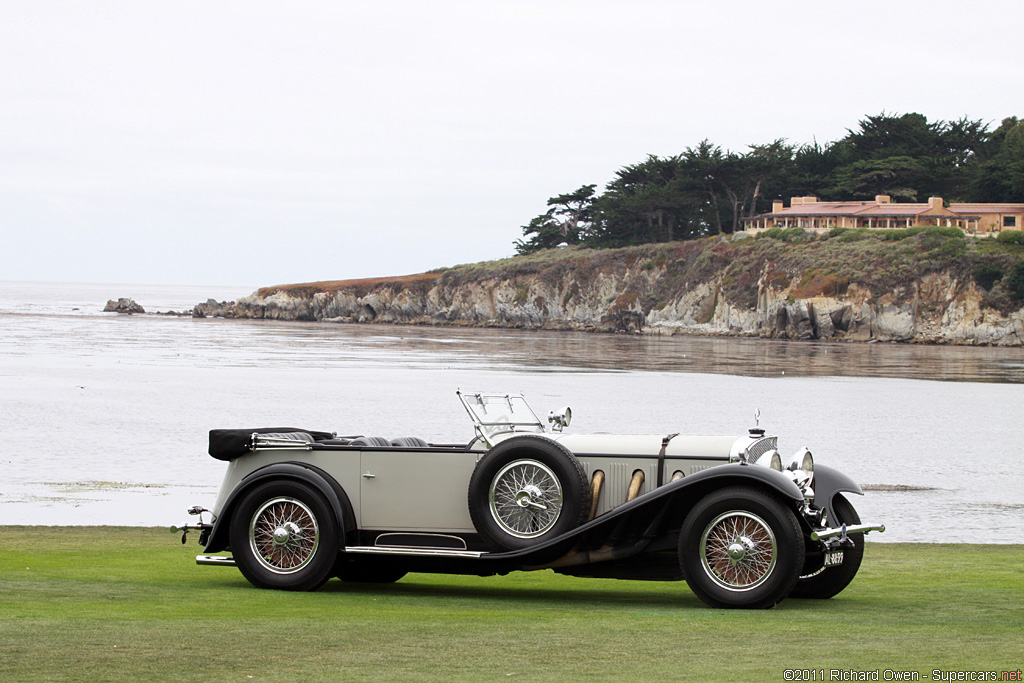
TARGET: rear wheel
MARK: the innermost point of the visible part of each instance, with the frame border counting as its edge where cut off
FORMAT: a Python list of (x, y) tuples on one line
[(740, 547), (820, 582), (284, 536)]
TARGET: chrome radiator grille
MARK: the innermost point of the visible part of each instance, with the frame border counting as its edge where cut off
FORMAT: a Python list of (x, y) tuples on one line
[(760, 447)]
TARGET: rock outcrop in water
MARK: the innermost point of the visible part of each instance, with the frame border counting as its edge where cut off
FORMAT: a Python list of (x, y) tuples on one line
[(643, 290), (123, 305)]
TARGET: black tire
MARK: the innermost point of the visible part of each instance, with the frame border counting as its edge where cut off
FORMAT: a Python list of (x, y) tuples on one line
[(284, 536), (366, 570), (740, 547), (821, 583), (525, 490)]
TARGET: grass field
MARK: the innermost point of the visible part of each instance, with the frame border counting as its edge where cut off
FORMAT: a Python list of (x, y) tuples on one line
[(129, 604)]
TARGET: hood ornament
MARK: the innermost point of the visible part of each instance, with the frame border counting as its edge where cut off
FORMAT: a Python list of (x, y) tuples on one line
[(756, 431)]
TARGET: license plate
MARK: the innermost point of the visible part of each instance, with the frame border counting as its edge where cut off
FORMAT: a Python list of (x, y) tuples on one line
[(834, 558)]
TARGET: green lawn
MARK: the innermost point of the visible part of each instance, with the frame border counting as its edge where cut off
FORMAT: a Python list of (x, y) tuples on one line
[(85, 604)]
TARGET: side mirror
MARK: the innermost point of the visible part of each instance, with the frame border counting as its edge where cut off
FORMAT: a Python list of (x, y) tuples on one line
[(560, 418)]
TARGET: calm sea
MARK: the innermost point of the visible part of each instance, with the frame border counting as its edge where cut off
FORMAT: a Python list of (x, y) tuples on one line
[(105, 416)]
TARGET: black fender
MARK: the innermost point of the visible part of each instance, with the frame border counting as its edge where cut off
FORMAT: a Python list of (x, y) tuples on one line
[(331, 490), (737, 473), (633, 526), (683, 494), (828, 481)]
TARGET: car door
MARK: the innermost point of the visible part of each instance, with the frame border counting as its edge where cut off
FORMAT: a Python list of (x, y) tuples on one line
[(422, 490)]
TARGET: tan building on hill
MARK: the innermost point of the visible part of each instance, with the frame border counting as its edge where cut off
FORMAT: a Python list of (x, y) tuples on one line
[(810, 214)]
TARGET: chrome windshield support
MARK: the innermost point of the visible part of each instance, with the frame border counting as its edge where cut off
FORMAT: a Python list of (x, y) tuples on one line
[(514, 414)]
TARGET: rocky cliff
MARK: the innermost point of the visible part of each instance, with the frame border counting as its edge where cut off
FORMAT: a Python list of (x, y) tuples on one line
[(709, 287)]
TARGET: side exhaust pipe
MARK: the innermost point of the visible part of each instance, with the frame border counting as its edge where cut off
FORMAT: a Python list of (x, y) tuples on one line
[(595, 492), (635, 485)]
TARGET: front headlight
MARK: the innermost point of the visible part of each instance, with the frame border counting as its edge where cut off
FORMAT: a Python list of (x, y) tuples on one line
[(803, 460), (801, 471), (774, 460)]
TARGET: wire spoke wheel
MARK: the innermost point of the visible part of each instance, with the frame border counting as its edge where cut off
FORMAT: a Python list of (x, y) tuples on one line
[(284, 535), (525, 490), (525, 498), (738, 550)]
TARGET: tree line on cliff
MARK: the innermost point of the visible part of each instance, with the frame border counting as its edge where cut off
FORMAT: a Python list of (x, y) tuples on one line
[(706, 190)]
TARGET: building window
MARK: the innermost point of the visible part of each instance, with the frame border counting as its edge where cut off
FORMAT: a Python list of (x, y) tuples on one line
[(1009, 221)]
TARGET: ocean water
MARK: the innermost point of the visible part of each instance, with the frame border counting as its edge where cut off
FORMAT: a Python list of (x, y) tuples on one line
[(105, 416)]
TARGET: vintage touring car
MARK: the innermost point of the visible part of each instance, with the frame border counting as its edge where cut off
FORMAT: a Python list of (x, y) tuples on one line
[(726, 514)]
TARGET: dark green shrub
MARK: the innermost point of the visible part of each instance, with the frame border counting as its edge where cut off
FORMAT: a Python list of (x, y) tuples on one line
[(934, 231), (896, 234), (947, 249), (788, 234), (986, 275), (1015, 282), (848, 235), (796, 235), (1011, 237), (942, 231)]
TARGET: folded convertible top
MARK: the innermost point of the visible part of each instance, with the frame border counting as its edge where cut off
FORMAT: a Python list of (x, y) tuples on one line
[(229, 444)]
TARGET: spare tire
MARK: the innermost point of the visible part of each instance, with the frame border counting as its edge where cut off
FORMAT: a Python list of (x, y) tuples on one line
[(525, 490)]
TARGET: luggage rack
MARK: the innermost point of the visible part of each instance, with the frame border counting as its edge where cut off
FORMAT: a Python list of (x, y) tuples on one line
[(298, 441)]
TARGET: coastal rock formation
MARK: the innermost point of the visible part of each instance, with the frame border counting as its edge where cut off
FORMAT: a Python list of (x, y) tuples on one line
[(123, 305), (646, 297)]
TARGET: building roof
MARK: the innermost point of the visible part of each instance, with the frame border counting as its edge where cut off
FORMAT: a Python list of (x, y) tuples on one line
[(856, 209), (882, 207), (900, 210), (986, 208), (824, 209)]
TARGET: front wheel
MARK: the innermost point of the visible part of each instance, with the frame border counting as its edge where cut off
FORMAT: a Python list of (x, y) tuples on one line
[(284, 536), (820, 582), (740, 547)]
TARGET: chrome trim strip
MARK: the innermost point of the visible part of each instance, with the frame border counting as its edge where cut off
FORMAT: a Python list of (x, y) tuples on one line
[(425, 536), (417, 552), (651, 456), (260, 442), (845, 531), (319, 446), (215, 561)]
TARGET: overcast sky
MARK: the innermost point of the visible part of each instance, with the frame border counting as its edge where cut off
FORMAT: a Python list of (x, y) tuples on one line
[(258, 143)]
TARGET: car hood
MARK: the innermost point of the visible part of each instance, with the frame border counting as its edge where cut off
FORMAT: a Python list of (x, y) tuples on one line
[(646, 444)]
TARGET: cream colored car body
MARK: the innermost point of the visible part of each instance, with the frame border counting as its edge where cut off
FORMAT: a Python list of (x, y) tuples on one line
[(424, 489)]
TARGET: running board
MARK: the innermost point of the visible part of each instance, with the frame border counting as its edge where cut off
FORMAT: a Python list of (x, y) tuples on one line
[(221, 561), (414, 552)]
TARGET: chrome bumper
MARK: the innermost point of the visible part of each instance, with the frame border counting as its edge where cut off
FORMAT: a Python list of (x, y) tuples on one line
[(845, 530), (215, 561)]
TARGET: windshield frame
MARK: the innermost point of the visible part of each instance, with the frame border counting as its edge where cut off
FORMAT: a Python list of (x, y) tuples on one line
[(514, 414)]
